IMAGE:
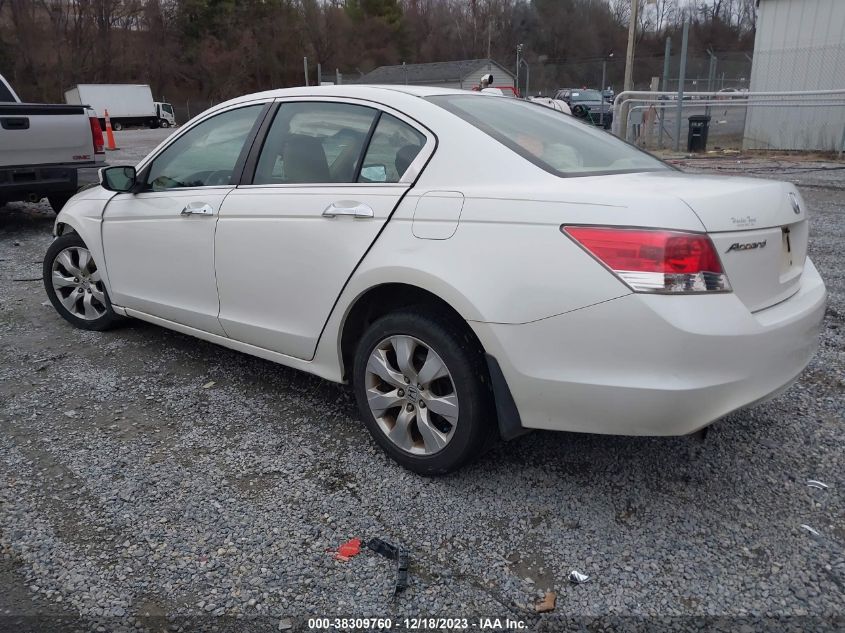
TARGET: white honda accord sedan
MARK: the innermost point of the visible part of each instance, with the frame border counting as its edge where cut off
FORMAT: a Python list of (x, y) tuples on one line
[(475, 266)]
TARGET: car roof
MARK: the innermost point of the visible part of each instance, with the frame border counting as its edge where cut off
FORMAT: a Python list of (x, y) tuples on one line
[(361, 91)]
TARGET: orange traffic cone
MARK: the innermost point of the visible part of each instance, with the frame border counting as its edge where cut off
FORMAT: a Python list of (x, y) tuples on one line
[(109, 134)]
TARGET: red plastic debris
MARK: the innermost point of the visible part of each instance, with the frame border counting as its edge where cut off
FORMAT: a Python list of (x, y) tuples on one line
[(351, 548)]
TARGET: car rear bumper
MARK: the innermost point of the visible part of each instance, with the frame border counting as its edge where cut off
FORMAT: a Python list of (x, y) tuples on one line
[(655, 364)]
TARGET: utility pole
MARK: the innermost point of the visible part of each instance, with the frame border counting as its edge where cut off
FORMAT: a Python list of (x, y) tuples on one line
[(666, 57), (489, 37), (518, 55), (629, 64), (681, 79), (629, 56), (305, 68), (601, 87)]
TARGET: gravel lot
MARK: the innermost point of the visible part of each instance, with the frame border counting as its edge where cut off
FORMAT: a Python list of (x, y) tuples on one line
[(133, 495)]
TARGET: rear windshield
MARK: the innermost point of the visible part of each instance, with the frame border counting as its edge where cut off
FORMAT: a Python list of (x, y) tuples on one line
[(553, 141), (586, 95)]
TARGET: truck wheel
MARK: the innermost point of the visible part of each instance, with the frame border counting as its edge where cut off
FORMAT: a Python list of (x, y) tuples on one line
[(163, 123), (117, 126), (58, 200)]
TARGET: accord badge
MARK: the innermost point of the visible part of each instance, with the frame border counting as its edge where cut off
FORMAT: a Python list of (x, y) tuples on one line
[(794, 200), (737, 246)]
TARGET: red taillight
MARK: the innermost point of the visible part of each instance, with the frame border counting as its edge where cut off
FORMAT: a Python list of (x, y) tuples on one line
[(655, 260), (96, 135)]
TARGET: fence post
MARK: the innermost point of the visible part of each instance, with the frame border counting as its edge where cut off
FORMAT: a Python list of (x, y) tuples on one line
[(681, 78)]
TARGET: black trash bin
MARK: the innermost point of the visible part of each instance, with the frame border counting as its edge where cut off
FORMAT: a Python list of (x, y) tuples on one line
[(699, 128)]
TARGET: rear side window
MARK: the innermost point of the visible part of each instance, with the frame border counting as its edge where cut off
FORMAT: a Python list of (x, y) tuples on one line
[(314, 142), (551, 140), (393, 148)]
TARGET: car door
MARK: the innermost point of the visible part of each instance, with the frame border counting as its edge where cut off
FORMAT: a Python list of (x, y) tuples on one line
[(327, 178), (159, 242)]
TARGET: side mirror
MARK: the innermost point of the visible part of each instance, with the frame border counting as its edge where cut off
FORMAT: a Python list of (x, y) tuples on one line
[(120, 178)]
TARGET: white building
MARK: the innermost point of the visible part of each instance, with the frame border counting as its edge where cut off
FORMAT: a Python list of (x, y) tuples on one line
[(799, 45)]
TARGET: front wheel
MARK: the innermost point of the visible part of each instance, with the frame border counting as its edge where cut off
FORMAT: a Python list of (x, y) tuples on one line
[(164, 124), (74, 284), (117, 126), (423, 391)]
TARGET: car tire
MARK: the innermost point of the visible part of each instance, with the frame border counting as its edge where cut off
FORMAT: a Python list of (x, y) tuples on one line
[(59, 200), (429, 439), (74, 285)]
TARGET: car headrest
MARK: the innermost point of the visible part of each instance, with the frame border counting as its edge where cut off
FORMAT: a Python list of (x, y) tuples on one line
[(304, 159)]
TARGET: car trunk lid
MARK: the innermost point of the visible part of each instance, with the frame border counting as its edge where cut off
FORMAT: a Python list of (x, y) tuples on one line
[(758, 227)]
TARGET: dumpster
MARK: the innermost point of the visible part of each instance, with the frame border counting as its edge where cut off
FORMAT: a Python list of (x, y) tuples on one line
[(699, 127)]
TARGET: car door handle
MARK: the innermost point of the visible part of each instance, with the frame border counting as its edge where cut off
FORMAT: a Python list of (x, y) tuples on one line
[(198, 208), (346, 207)]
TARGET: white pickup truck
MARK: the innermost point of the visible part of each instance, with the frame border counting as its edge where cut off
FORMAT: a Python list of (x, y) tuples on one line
[(42, 146)]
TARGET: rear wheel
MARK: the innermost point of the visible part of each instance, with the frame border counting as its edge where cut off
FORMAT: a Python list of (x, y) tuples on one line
[(422, 389), (74, 284)]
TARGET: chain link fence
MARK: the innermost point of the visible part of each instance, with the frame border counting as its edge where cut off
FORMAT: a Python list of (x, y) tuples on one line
[(740, 121), (187, 109), (704, 72)]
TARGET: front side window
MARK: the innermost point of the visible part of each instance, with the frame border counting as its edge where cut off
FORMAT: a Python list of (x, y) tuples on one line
[(550, 139), (393, 148), (314, 142), (206, 154)]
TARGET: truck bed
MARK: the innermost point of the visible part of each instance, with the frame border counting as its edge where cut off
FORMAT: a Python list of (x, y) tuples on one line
[(45, 134)]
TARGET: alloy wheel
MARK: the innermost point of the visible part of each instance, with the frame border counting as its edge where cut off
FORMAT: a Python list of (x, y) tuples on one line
[(78, 284), (411, 394)]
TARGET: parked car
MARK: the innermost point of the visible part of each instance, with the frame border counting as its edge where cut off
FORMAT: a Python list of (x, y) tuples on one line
[(589, 105), (127, 105), (476, 267), (42, 146), (731, 93), (554, 104), (499, 91)]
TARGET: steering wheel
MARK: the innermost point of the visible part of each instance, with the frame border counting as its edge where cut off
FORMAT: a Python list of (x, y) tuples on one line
[(220, 177)]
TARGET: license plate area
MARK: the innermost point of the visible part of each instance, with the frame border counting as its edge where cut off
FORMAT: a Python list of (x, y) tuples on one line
[(793, 251)]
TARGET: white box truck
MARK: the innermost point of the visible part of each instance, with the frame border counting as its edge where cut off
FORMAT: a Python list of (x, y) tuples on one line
[(128, 104)]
